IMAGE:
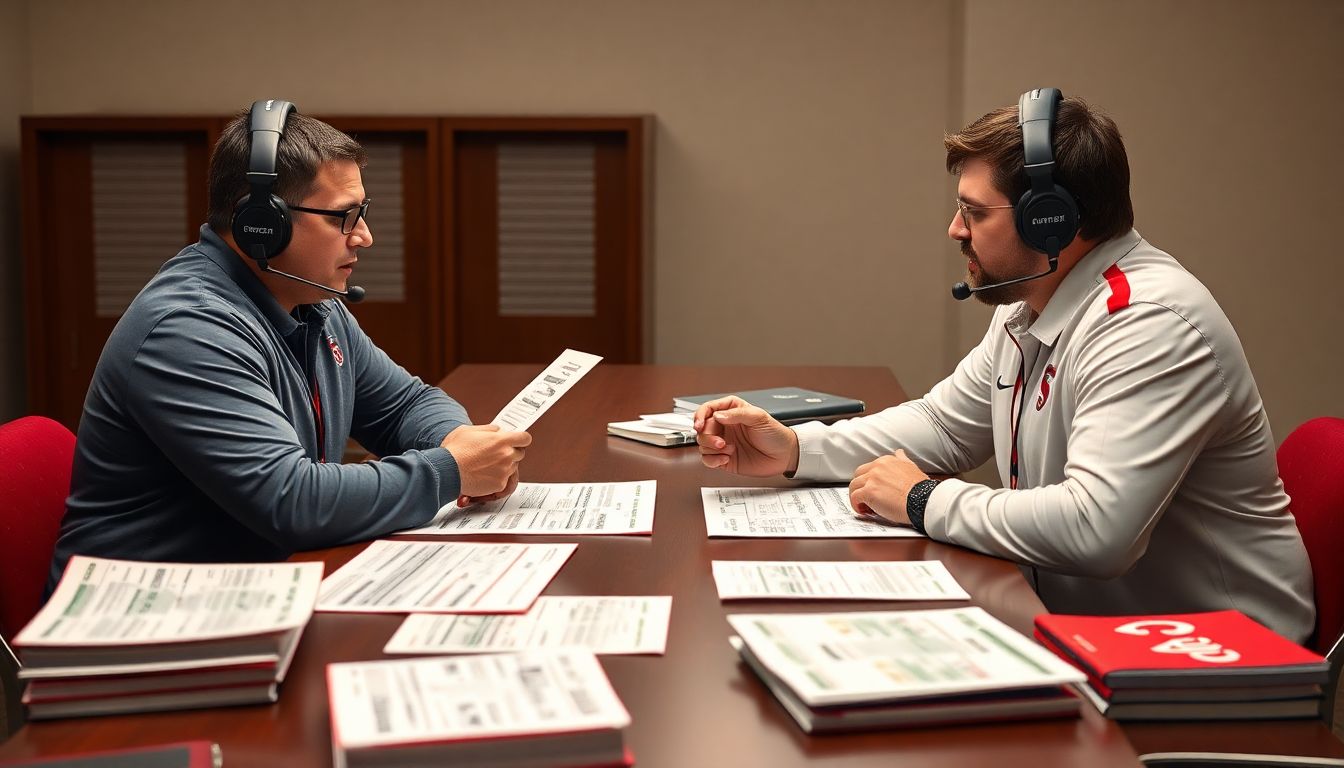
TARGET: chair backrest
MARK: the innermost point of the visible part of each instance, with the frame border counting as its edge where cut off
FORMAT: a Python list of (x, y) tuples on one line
[(36, 454), (1311, 463)]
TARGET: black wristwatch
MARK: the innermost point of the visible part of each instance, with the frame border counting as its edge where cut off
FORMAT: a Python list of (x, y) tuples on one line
[(915, 501)]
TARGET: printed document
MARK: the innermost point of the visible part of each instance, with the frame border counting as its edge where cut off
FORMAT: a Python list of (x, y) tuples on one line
[(443, 577), (847, 580), (528, 405), (101, 602), (457, 698), (606, 624), (797, 513), (554, 508), (852, 658)]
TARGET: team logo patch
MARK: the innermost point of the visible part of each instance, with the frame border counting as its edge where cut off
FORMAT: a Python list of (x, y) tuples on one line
[(1046, 378), (339, 357)]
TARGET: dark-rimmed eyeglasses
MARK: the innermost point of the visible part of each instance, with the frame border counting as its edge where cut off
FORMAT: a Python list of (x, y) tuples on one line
[(976, 212), (349, 217)]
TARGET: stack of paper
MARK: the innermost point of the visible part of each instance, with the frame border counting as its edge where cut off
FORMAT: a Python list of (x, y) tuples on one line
[(122, 636), (1219, 665), (856, 671), (664, 429), (537, 708)]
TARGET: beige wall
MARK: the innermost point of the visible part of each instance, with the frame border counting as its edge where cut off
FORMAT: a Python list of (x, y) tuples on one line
[(14, 100), (1231, 113), (800, 204)]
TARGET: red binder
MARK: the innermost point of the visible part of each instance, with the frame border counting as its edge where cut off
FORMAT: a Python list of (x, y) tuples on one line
[(1215, 649)]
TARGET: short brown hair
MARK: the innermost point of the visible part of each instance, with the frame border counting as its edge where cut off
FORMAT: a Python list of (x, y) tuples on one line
[(1090, 162), (305, 145)]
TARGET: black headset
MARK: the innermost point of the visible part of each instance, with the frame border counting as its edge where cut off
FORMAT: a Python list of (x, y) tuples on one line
[(1046, 215), (261, 225)]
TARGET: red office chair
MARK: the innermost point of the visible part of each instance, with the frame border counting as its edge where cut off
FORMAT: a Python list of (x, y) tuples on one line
[(36, 454), (1311, 464)]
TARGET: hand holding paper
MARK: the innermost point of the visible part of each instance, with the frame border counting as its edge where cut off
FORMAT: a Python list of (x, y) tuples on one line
[(487, 460)]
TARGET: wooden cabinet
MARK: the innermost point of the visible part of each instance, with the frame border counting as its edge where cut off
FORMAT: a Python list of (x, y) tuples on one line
[(495, 239)]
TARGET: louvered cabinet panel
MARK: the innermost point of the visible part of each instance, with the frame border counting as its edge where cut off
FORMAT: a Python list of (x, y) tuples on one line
[(547, 237), (106, 201), (400, 273), (139, 216), (547, 229), (382, 268)]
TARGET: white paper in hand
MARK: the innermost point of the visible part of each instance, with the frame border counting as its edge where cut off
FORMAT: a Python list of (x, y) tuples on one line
[(528, 405)]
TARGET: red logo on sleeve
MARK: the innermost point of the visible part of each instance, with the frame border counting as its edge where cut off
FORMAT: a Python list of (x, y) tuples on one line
[(1045, 386), (339, 357)]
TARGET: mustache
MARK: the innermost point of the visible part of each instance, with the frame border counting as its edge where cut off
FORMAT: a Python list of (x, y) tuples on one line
[(968, 251)]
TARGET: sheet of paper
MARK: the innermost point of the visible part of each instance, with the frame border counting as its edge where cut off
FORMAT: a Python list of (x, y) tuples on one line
[(534, 400), (648, 428), (452, 698), (795, 513), (554, 508), (850, 658), (606, 624), (118, 602), (847, 580), (678, 421), (443, 577)]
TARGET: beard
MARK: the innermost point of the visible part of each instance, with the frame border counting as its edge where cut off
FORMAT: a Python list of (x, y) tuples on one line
[(1007, 294)]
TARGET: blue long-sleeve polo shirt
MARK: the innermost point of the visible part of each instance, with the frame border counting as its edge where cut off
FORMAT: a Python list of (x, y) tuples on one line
[(215, 423)]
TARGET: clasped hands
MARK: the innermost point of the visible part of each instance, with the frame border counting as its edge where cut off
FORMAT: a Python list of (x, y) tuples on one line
[(487, 460), (735, 435)]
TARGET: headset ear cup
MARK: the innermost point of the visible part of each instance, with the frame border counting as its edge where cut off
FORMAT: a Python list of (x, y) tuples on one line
[(261, 228), (1040, 217)]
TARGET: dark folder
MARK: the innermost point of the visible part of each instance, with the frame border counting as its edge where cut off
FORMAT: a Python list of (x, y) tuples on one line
[(790, 405)]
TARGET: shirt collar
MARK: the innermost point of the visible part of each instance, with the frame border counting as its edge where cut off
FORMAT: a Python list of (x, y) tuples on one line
[(1076, 287), (231, 262)]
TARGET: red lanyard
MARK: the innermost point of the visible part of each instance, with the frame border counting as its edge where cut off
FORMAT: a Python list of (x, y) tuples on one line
[(1017, 408), (321, 430)]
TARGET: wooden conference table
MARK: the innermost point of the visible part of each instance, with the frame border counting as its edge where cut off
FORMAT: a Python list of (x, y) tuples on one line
[(695, 706)]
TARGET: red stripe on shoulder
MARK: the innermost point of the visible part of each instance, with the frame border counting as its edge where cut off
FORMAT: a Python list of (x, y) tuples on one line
[(1119, 298)]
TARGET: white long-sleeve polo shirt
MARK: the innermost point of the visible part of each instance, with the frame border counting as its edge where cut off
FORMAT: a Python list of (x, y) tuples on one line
[(1137, 462)]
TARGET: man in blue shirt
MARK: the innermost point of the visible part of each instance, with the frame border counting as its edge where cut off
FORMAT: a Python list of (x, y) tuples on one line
[(223, 400)]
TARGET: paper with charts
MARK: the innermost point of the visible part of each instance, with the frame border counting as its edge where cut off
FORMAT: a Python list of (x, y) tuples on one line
[(554, 508), (119, 602), (847, 580), (794, 513), (443, 577), (843, 659), (536, 398), (444, 701), (605, 624)]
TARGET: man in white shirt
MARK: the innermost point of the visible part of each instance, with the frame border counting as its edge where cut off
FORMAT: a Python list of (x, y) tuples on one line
[(1137, 462)]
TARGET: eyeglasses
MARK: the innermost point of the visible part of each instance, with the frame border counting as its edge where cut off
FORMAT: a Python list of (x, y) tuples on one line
[(349, 217), (976, 212)]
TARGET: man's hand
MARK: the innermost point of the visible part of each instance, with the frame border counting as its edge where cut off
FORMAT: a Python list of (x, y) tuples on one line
[(487, 459), (741, 438), (509, 487), (880, 487)]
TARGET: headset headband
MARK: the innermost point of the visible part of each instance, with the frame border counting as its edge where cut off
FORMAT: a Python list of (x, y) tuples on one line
[(265, 125), (1036, 118)]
